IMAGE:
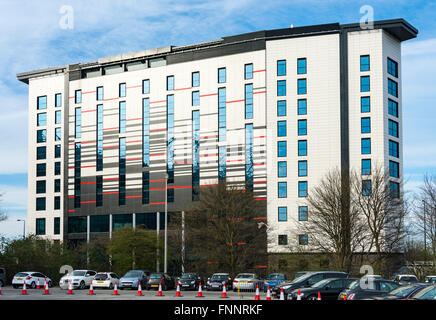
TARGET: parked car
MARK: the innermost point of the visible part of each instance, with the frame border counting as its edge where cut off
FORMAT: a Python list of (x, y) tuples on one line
[(189, 281), (166, 281), (247, 281), (405, 279), (105, 280), (273, 279), (132, 278), (401, 293), (215, 282), (428, 293), (2, 277), (328, 288), (376, 287), (79, 279), (430, 279), (32, 278), (305, 281), (300, 273)]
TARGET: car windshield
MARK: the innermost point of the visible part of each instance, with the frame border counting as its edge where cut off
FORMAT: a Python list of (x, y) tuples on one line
[(133, 274), (21, 274), (101, 276), (156, 276), (402, 291), (302, 278), (321, 283), (78, 273), (428, 293), (408, 279), (218, 277), (245, 276), (188, 276), (276, 276), (353, 285)]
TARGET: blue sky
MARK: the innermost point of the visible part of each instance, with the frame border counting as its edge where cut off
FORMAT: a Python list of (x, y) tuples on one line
[(32, 39)]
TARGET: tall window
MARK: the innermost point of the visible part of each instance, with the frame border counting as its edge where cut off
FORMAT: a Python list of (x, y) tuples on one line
[(302, 189), (282, 169), (99, 163), (122, 116), (58, 134), (196, 79), (366, 146), (394, 188), (41, 136), (302, 147), (41, 153), (145, 187), (195, 98), (195, 155), (58, 117), (78, 123), (170, 83), (57, 185), (283, 240), (366, 166), (365, 104), (393, 128), (394, 169), (100, 94), (393, 88), (393, 108), (222, 114), (365, 125), (249, 160), (283, 213), (122, 90), (281, 128), (57, 203), (303, 239), (281, 67), (40, 226), (281, 108), (301, 86), (122, 172), (366, 187), (146, 132), (392, 68), (281, 149), (221, 75), (146, 86), (394, 149), (222, 170), (41, 119), (41, 169), (302, 127), (78, 96), (282, 189), (364, 84), (41, 102), (40, 186), (57, 168), (99, 191), (302, 168), (77, 174), (248, 71), (302, 66), (40, 204), (302, 107), (57, 226), (249, 101), (281, 88), (302, 213), (58, 99), (364, 63), (57, 151), (170, 137)]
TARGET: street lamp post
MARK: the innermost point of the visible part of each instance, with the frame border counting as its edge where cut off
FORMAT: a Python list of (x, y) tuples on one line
[(24, 227), (425, 232)]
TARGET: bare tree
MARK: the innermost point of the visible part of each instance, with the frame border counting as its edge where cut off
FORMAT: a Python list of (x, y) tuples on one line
[(426, 213), (222, 232), (334, 224), (383, 209), (3, 215)]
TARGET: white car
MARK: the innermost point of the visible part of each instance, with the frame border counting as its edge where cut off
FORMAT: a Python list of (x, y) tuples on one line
[(247, 281), (32, 278), (79, 279), (105, 280)]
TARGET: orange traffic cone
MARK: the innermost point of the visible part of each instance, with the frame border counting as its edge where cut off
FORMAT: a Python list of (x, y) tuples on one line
[(224, 294), (24, 291), (268, 294), (200, 292), (282, 294), (159, 293), (139, 289), (178, 290), (298, 295), (257, 297), (37, 285), (319, 296), (46, 290), (70, 288), (91, 289), (345, 297), (115, 292)]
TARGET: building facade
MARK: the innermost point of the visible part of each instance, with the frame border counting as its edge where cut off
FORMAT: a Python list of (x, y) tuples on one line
[(112, 141)]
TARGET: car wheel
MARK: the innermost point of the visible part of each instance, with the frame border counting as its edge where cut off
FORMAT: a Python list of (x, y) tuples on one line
[(50, 284), (33, 285), (312, 297), (82, 285), (111, 286)]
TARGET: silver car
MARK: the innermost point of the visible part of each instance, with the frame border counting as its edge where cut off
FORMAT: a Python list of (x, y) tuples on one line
[(247, 281)]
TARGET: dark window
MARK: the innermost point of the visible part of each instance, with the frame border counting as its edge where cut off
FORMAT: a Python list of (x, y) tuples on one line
[(394, 169), (364, 84), (41, 169), (302, 127), (366, 166), (364, 63), (145, 187), (394, 188), (249, 159), (195, 155), (57, 226), (302, 189), (41, 153), (394, 149), (40, 186), (57, 185), (281, 67), (302, 168), (282, 169), (301, 66), (392, 68), (99, 191), (303, 240), (281, 149), (170, 137), (283, 239), (283, 213), (393, 88), (122, 172), (302, 86), (99, 153), (365, 125), (57, 203), (281, 108), (248, 71), (281, 128), (302, 147), (40, 204), (366, 187), (58, 134), (40, 226), (222, 169), (365, 104), (393, 128), (99, 223), (57, 170), (121, 220), (366, 146), (77, 224), (302, 107), (302, 213), (393, 108), (170, 195), (281, 88), (146, 132), (282, 189), (41, 136)]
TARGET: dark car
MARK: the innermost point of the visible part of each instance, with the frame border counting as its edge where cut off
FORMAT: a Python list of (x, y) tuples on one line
[(215, 282), (428, 293), (368, 289), (329, 289), (401, 293), (166, 281), (405, 279), (273, 279), (305, 281), (2, 277), (189, 281)]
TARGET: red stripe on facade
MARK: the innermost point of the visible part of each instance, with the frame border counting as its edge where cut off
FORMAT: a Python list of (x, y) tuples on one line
[(87, 142), (182, 162), (260, 181), (153, 203), (157, 155), (71, 197), (114, 192), (139, 86), (259, 92), (239, 160), (87, 201), (235, 101), (208, 185), (263, 70), (71, 210), (133, 119), (259, 218), (209, 155), (90, 166), (260, 199), (208, 95), (89, 92), (134, 141), (211, 136), (259, 137), (136, 158), (133, 196), (259, 164), (158, 180), (183, 89), (160, 101), (113, 146), (115, 178), (88, 182), (261, 267), (93, 110), (162, 129), (110, 99), (114, 128)]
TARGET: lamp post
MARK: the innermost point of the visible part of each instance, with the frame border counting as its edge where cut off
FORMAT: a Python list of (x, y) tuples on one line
[(425, 232), (24, 227)]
